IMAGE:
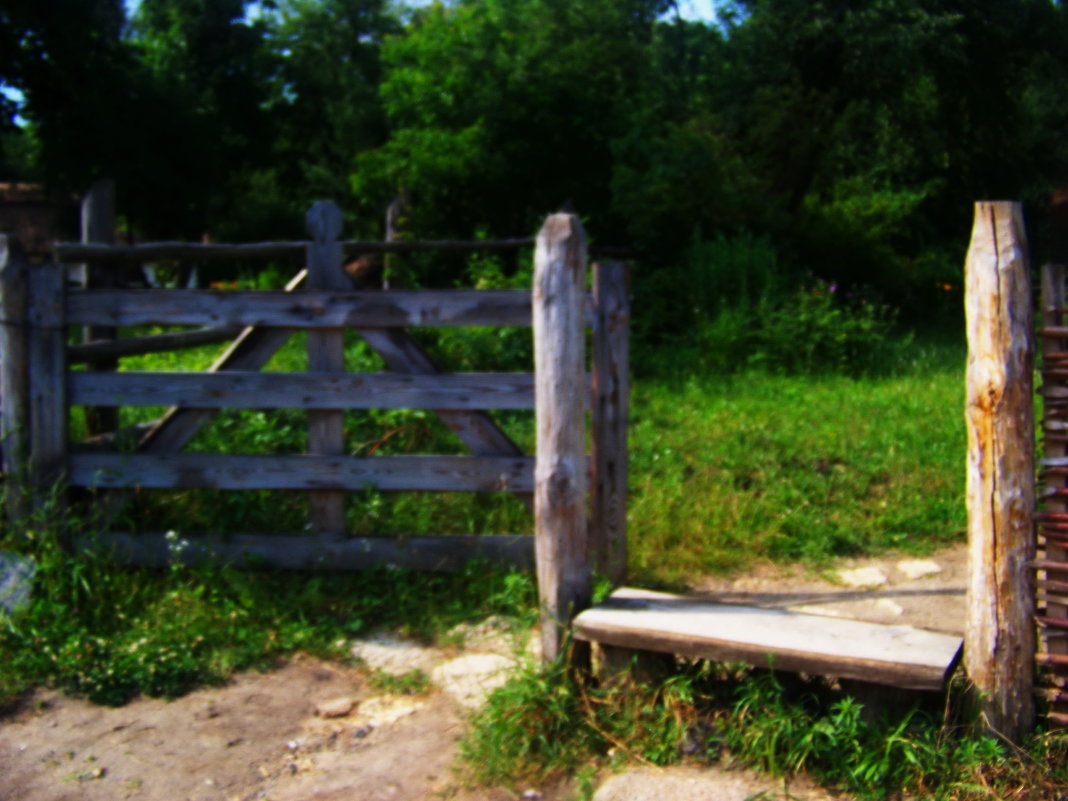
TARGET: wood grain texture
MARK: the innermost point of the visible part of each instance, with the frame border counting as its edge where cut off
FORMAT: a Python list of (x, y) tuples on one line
[(195, 251), (302, 472), (312, 309), (561, 544), (339, 390), (295, 552), (48, 372), (252, 349), (14, 377), (611, 405), (152, 343), (901, 656), (98, 226), (326, 354), (999, 633)]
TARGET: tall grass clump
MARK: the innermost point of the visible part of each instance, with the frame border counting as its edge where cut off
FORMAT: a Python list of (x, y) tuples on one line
[(554, 722), (108, 633)]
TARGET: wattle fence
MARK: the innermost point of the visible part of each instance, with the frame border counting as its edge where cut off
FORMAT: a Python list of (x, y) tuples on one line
[(578, 498)]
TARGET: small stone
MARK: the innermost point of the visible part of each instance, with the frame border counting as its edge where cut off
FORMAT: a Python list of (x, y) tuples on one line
[(335, 707), (889, 606), (918, 568), (533, 795), (862, 577)]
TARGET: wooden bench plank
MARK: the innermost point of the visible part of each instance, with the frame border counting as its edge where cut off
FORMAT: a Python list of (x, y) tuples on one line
[(901, 656)]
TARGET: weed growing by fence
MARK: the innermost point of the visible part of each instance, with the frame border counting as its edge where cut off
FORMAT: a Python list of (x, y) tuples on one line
[(550, 722)]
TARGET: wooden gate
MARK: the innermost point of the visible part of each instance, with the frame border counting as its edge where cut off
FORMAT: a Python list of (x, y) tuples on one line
[(38, 310)]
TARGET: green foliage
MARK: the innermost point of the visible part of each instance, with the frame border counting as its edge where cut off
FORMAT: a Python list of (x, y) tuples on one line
[(552, 721)]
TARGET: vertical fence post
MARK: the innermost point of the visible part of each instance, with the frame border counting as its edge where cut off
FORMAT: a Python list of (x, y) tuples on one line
[(326, 354), (98, 226), (560, 475), (1053, 579), (48, 380), (14, 377), (999, 640), (611, 403)]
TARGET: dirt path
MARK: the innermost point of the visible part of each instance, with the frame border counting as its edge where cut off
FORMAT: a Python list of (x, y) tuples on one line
[(260, 737)]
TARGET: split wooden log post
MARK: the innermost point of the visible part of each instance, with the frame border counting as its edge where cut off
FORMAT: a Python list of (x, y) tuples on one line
[(999, 635), (1053, 579), (326, 354), (98, 226), (48, 382), (611, 399), (14, 377), (560, 474)]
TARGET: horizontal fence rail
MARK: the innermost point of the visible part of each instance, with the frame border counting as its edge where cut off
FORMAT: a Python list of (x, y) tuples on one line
[(255, 390), (300, 309), (301, 472)]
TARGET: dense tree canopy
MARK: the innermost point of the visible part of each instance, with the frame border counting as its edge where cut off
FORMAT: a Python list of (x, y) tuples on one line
[(853, 136)]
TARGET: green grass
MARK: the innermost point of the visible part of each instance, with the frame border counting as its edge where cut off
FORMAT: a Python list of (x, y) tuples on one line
[(552, 722), (728, 471)]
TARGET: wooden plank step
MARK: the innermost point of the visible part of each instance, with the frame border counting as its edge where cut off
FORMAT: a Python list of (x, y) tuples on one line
[(900, 656)]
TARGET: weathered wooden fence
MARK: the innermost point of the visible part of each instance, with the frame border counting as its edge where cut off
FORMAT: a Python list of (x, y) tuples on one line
[(579, 500)]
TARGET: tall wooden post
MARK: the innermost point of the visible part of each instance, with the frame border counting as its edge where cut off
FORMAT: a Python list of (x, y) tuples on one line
[(560, 475), (999, 639), (48, 380), (326, 354), (14, 377), (611, 404), (98, 226)]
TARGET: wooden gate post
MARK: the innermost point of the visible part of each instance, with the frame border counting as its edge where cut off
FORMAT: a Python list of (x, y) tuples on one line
[(48, 382), (611, 404), (560, 474), (326, 354), (999, 638), (14, 378), (98, 226)]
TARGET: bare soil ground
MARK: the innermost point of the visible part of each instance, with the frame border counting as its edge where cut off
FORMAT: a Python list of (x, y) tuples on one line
[(260, 737)]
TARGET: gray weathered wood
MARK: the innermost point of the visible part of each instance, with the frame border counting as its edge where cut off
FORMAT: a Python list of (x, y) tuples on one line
[(256, 390), (295, 552), (252, 349), (195, 251), (333, 309), (48, 372), (561, 545), (98, 226), (152, 343), (14, 377), (326, 354), (611, 404), (301, 472), (901, 656), (999, 633)]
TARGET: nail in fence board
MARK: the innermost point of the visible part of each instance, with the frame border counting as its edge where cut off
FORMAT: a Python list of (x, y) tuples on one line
[(561, 545), (302, 472)]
